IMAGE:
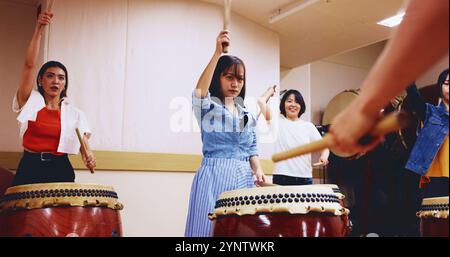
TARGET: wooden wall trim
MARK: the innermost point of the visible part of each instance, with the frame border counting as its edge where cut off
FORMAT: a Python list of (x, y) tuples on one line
[(136, 161), (131, 161)]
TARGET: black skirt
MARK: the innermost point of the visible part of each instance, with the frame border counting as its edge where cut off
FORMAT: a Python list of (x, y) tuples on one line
[(43, 168)]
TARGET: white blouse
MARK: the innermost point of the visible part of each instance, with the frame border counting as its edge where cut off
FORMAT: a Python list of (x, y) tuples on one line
[(71, 118)]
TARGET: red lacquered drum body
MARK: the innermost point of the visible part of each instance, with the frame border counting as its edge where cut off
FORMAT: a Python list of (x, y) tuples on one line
[(59, 210), (341, 197), (6, 179), (433, 216), (282, 211)]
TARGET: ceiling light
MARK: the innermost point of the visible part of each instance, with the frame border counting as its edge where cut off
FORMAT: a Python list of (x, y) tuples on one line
[(283, 13), (392, 21)]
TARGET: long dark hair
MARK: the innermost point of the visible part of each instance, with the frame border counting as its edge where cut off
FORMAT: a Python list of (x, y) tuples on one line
[(298, 98), (42, 71), (441, 80), (225, 63)]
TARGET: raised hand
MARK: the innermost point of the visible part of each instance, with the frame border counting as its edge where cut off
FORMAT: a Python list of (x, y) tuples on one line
[(222, 40), (44, 18)]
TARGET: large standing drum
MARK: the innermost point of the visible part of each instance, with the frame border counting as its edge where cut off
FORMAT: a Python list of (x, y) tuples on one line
[(59, 210), (433, 216), (287, 211), (337, 104)]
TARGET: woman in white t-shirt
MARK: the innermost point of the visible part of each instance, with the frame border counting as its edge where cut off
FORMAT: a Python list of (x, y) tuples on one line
[(47, 120), (292, 132)]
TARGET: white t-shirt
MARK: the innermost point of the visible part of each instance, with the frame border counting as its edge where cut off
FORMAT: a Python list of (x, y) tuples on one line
[(292, 134), (71, 118)]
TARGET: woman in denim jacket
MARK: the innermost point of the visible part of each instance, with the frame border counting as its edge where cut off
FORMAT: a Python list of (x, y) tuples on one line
[(230, 157), (430, 155)]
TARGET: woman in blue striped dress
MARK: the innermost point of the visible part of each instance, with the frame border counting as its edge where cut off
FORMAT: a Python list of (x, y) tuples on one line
[(230, 158)]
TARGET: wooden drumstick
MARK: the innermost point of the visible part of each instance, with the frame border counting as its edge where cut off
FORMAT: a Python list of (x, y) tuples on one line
[(49, 9), (388, 124), (266, 184), (318, 164), (84, 148), (226, 21), (50, 5)]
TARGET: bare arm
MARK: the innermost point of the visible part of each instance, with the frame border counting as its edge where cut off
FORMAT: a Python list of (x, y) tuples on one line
[(205, 79), (421, 39), (324, 156), (262, 103), (29, 67), (257, 169), (88, 157)]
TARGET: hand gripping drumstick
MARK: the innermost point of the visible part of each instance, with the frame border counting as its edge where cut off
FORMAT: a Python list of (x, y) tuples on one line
[(388, 124), (49, 9), (226, 21), (318, 164), (84, 147), (260, 111)]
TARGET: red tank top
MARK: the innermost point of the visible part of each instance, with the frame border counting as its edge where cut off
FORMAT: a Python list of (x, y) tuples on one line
[(43, 134)]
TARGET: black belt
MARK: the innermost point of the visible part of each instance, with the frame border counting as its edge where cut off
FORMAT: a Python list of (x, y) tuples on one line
[(44, 156)]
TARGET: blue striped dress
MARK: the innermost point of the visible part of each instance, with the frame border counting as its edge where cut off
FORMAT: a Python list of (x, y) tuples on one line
[(228, 143)]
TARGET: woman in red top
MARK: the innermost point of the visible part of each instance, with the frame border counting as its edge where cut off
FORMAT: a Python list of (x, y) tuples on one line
[(47, 120)]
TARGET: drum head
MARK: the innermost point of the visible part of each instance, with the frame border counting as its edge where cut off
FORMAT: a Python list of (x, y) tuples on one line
[(41, 195), (334, 107), (279, 199), (435, 207), (337, 104)]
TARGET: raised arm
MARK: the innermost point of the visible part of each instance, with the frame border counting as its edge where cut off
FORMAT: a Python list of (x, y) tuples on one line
[(418, 104), (262, 103), (29, 67), (205, 79), (421, 39)]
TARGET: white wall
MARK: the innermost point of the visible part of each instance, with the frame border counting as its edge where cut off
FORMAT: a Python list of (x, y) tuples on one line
[(133, 65), (155, 203), (329, 79)]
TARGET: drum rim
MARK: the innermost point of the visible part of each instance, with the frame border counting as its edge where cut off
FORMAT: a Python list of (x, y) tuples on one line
[(20, 188), (352, 91), (434, 207), (41, 195), (329, 203)]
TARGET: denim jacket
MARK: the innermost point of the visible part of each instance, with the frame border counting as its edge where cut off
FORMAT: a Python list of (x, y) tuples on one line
[(431, 136), (225, 135)]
